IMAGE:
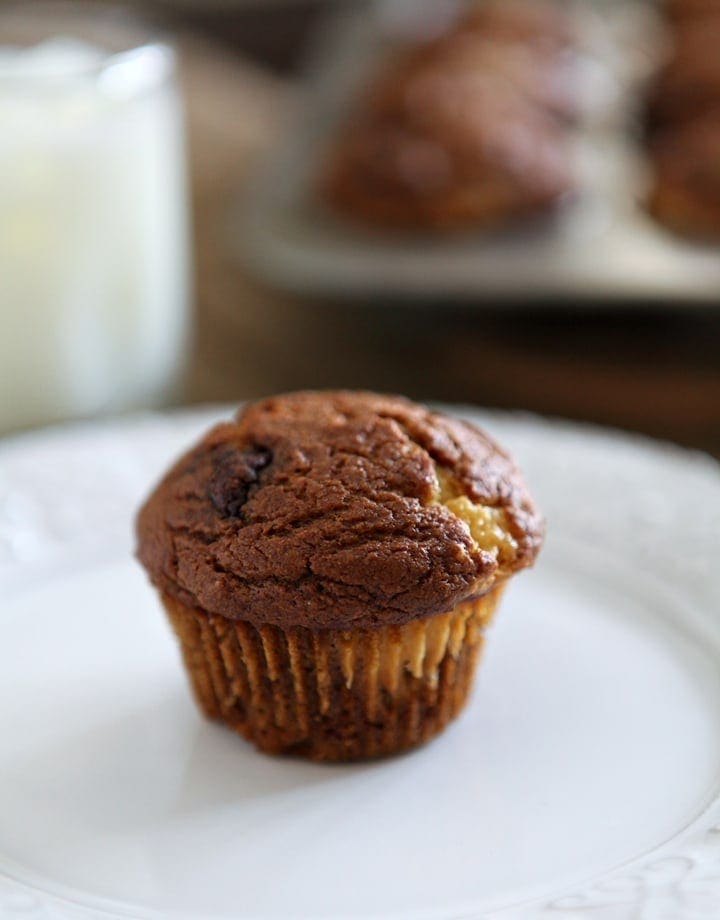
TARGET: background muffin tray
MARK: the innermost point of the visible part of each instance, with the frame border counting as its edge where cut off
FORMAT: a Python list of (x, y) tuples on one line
[(601, 248)]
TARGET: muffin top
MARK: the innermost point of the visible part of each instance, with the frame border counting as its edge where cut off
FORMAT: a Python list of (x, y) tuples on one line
[(474, 151), (337, 510)]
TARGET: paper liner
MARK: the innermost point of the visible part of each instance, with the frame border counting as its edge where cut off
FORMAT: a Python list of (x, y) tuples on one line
[(333, 694)]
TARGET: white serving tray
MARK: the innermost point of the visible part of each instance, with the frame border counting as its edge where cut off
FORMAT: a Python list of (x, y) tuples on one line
[(601, 249)]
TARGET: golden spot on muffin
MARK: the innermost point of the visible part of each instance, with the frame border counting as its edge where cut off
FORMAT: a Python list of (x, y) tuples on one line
[(489, 527)]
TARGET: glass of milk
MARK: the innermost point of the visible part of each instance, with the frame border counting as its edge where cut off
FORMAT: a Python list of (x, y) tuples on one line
[(93, 221)]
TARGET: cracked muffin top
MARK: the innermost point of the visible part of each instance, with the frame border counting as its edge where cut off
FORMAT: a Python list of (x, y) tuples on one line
[(335, 510), (453, 143)]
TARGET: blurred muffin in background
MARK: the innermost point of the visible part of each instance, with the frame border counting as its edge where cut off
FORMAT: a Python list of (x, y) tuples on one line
[(546, 80), (685, 194), (469, 129), (472, 154)]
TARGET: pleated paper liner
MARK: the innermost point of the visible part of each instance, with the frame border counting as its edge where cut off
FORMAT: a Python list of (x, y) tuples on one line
[(333, 694)]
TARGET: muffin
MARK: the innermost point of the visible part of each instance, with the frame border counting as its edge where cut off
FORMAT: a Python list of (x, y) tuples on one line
[(469, 130), (458, 150), (329, 563), (685, 193)]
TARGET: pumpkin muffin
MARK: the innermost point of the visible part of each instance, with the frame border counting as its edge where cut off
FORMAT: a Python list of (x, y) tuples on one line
[(468, 130), (548, 81), (449, 150), (329, 562)]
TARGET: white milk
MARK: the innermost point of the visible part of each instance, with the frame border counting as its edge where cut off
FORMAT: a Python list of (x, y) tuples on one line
[(93, 231)]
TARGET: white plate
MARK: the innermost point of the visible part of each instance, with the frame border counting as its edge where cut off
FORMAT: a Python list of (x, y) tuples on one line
[(583, 779), (601, 249)]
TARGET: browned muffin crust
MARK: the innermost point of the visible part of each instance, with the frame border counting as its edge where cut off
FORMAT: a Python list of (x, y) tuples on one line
[(466, 130), (325, 510), (465, 60), (471, 153)]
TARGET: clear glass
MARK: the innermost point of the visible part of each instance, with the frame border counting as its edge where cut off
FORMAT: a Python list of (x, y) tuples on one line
[(94, 264)]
